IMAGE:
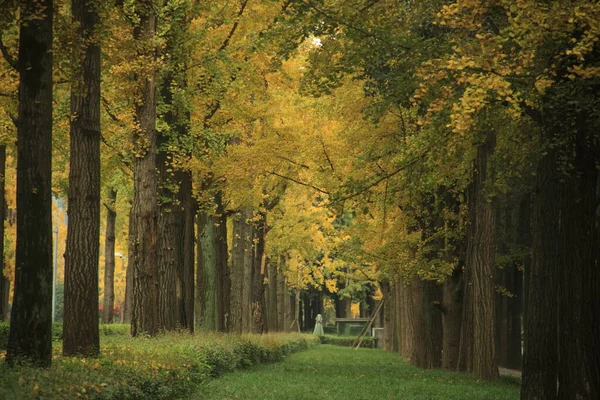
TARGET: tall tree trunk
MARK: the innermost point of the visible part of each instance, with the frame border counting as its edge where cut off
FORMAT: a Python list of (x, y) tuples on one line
[(414, 330), (145, 202), (207, 273), (129, 273), (223, 271), (281, 290), (247, 246), (4, 282), (109, 259), (452, 309), (80, 317), (240, 247), (31, 316), (170, 302), (400, 343), (258, 274), (579, 293), (433, 322), (273, 325), (465, 351), (388, 315), (514, 284), (482, 253), (188, 239), (540, 357)]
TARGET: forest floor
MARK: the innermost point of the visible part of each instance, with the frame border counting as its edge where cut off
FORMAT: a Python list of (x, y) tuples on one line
[(332, 372)]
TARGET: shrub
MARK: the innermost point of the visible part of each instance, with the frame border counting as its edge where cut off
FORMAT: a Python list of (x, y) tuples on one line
[(165, 367), (348, 341)]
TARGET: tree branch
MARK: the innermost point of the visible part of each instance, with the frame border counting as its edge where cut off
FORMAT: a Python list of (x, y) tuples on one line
[(300, 182), (225, 43), (7, 56)]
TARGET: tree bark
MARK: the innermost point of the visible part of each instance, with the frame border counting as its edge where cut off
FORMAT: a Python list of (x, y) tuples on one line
[(80, 316), (188, 239), (273, 325), (481, 256), (246, 247), (258, 274), (145, 319), (281, 289), (240, 247), (579, 293), (452, 309), (388, 315), (207, 273), (129, 273), (223, 271), (169, 254), (540, 357), (109, 259), (30, 334), (4, 282)]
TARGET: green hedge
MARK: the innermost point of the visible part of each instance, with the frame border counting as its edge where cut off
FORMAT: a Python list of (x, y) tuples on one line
[(169, 366), (57, 333), (347, 341)]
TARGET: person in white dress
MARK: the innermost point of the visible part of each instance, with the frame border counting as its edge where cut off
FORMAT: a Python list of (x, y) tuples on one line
[(319, 326)]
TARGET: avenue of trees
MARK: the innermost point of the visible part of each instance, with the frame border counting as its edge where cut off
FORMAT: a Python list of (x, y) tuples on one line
[(259, 161)]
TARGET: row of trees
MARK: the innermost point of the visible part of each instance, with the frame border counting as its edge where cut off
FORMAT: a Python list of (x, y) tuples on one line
[(447, 151), (489, 177)]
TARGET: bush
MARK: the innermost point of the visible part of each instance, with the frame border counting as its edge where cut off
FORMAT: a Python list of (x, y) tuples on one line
[(57, 333), (348, 341), (165, 367)]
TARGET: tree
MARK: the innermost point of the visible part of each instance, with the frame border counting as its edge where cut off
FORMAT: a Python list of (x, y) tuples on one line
[(109, 258), (30, 334), (4, 282), (144, 210), (80, 331)]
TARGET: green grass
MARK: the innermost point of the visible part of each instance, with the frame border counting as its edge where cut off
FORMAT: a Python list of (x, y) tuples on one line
[(328, 372)]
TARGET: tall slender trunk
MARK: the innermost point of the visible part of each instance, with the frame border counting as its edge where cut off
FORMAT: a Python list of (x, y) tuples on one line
[(109, 259), (129, 273), (273, 325), (482, 253), (207, 273), (188, 239), (169, 260), (4, 282), (80, 317), (400, 343), (579, 293), (281, 290), (540, 357), (258, 274), (31, 316), (223, 271), (388, 315), (452, 308), (246, 246), (145, 202), (241, 242)]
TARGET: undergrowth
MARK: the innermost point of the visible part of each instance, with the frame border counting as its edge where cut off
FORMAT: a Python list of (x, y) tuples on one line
[(165, 367)]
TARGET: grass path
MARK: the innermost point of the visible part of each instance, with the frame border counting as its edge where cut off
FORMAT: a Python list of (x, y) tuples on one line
[(330, 372)]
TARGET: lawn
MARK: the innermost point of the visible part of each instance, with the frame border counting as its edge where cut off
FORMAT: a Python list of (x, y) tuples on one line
[(333, 372)]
